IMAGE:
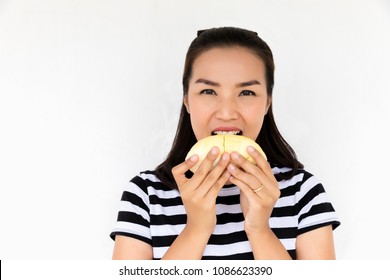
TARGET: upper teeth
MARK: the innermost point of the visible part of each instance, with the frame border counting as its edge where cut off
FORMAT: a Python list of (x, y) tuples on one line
[(233, 132)]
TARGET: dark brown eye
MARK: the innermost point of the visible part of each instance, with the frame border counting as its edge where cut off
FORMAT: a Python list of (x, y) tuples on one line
[(247, 93), (207, 91)]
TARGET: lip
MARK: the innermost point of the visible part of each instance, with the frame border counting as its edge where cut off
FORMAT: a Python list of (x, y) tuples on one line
[(225, 128)]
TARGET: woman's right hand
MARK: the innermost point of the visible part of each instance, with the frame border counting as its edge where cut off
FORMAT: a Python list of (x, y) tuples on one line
[(200, 192)]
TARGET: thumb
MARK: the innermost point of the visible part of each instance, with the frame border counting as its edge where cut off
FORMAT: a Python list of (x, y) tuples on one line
[(179, 170)]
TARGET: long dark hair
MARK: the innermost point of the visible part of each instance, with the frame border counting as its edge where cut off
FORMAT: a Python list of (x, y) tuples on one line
[(278, 151)]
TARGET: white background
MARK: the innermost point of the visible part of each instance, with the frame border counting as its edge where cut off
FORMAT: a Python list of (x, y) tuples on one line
[(90, 92)]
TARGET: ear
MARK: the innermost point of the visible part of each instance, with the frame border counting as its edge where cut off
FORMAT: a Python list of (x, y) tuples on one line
[(185, 101), (269, 100)]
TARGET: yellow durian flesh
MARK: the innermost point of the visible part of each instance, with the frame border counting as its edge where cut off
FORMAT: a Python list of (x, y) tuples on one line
[(225, 143)]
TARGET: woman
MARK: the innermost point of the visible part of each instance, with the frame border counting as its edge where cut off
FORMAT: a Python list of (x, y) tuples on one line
[(235, 210)]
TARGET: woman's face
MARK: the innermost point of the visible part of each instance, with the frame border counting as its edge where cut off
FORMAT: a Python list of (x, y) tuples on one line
[(227, 93)]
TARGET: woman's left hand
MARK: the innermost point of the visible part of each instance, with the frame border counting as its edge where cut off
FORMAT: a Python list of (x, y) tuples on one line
[(258, 187)]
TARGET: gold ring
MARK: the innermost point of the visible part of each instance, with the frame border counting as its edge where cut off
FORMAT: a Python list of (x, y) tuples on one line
[(258, 189)]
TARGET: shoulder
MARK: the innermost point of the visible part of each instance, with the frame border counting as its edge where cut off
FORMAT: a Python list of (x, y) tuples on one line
[(147, 182), (301, 182), (286, 174), (147, 179), (306, 193)]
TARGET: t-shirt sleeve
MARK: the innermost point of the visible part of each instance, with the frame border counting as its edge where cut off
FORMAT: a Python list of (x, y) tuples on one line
[(314, 207), (134, 215)]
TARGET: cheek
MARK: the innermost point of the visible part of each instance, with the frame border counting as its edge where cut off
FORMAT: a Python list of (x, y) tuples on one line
[(200, 108), (254, 119), (199, 116), (253, 111), (196, 112)]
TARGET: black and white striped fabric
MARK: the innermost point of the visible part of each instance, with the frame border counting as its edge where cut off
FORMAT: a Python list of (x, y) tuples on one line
[(151, 212)]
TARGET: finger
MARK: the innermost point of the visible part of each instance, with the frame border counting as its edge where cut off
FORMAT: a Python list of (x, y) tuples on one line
[(212, 180), (260, 161), (264, 166), (205, 167), (270, 190), (247, 190), (243, 163), (249, 179), (264, 197), (249, 168), (218, 185), (179, 171)]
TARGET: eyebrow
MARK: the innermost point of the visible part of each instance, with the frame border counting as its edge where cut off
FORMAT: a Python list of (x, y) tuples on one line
[(207, 82), (215, 84), (248, 83)]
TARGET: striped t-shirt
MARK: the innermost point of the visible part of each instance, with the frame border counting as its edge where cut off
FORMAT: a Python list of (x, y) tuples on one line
[(152, 212)]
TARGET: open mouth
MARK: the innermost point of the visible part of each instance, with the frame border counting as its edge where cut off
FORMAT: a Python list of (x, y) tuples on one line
[(231, 132)]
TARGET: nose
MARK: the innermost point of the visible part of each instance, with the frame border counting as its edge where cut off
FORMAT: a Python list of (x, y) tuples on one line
[(227, 109)]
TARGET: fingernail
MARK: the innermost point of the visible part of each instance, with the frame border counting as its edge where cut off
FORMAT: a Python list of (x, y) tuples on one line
[(225, 157), (231, 167), (194, 158), (235, 155), (251, 149), (214, 151)]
